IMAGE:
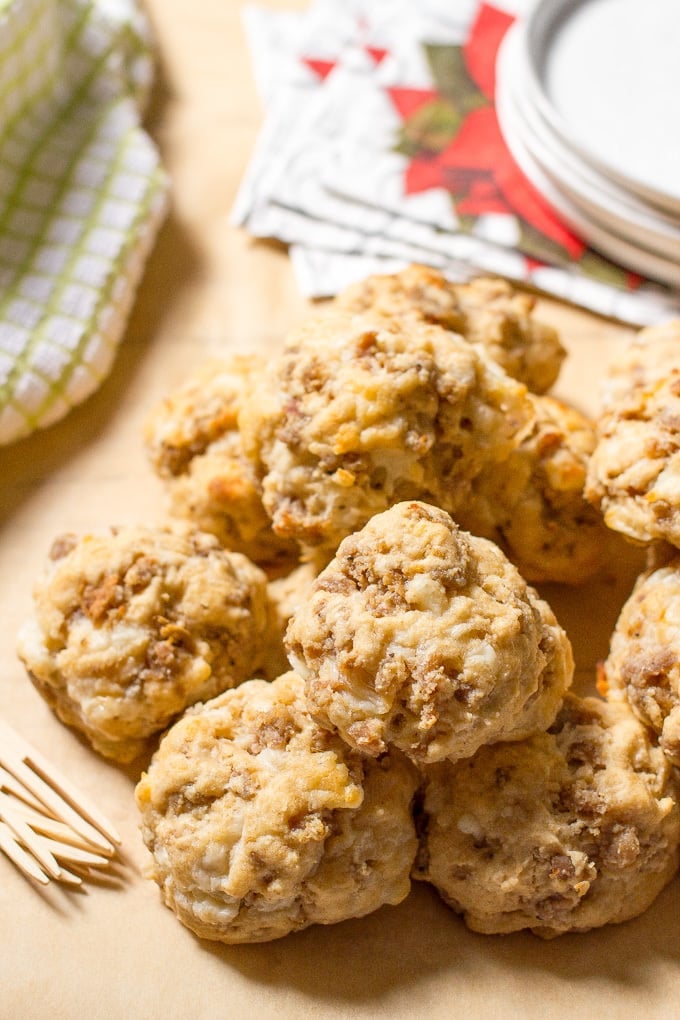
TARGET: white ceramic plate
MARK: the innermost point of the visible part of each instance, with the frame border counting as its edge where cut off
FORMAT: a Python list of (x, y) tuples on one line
[(618, 249), (610, 206), (607, 79)]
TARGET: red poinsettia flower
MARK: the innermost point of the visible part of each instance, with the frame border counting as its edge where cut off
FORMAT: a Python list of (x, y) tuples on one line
[(409, 101), (474, 162), (376, 52), (480, 147), (321, 68), (482, 46)]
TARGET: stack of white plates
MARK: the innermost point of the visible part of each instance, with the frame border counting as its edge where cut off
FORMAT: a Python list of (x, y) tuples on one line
[(588, 100)]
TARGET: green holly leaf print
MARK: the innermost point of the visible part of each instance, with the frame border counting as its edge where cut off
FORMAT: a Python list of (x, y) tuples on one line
[(451, 78), (431, 127)]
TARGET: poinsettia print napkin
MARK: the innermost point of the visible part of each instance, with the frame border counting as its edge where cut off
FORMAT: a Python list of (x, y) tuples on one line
[(398, 155)]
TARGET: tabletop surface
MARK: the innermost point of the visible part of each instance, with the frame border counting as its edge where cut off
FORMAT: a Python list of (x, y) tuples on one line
[(114, 950)]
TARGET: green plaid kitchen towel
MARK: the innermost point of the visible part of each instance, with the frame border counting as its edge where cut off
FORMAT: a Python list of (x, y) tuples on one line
[(82, 194)]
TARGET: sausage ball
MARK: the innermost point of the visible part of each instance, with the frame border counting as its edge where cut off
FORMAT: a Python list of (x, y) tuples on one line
[(194, 445), (565, 831), (534, 507), (260, 823), (643, 666), (132, 626), (360, 412), (422, 637), (634, 473), (485, 311)]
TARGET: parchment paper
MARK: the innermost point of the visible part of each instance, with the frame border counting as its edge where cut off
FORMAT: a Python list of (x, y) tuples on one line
[(114, 950)]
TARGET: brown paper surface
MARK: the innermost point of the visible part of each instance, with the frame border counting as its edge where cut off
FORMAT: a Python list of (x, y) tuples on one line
[(113, 950)]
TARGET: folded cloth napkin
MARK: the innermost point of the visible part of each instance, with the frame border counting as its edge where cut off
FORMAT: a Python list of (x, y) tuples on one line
[(381, 145), (82, 194)]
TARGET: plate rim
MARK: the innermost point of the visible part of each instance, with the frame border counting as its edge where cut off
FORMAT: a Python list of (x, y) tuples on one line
[(636, 258), (635, 221), (540, 24)]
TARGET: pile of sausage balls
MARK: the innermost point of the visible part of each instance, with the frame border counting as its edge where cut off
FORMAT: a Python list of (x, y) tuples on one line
[(332, 646)]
